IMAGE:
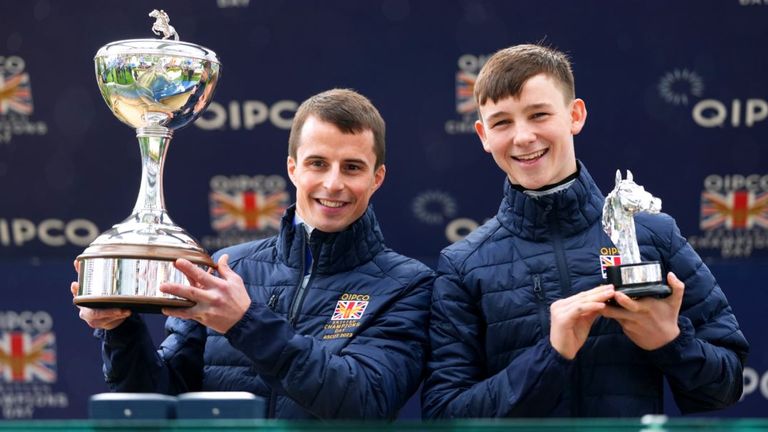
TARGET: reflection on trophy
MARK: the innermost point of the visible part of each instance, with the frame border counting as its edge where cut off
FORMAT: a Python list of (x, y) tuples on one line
[(155, 86), (632, 277)]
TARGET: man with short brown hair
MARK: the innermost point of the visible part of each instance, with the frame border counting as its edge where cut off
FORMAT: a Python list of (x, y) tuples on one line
[(520, 324), (322, 320)]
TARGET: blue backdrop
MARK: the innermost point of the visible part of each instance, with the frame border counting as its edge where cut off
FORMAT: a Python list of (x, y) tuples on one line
[(676, 92)]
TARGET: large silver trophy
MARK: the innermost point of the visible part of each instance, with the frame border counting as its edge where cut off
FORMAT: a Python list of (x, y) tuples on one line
[(632, 276), (155, 86)]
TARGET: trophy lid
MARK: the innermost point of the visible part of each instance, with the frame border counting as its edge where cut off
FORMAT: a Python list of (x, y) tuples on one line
[(157, 47)]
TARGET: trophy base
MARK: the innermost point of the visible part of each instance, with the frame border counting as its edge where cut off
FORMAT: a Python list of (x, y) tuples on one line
[(128, 277), (639, 280), (142, 304)]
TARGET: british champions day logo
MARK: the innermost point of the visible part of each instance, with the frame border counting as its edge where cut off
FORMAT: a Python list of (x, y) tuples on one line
[(686, 88), (27, 364), (245, 208), (16, 101), (469, 66), (734, 215)]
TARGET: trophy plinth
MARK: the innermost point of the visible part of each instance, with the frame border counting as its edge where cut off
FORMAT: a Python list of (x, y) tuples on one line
[(155, 86), (639, 279), (633, 277)]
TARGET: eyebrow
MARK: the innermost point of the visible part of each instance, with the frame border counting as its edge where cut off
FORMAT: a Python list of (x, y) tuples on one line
[(531, 107), (352, 160)]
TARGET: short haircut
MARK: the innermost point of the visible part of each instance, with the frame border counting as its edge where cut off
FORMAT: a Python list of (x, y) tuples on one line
[(505, 73), (346, 109)]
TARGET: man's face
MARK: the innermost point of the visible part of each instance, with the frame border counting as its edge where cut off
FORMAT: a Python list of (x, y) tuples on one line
[(531, 136), (333, 174)]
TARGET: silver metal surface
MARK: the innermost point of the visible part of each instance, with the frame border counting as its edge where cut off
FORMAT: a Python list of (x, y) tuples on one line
[(162, 25), (622, 203), (641, 274), (101, 277), (156, 87), (149, 82)]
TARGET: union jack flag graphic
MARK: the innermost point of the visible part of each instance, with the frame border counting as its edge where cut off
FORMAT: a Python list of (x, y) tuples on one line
[(465, 86), (15, 94), (609, 261), (247, 210), (739, 209), (346, 310), (27, 358)]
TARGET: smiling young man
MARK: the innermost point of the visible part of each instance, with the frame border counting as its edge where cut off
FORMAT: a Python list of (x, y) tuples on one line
[(322, 320), (520, 325)]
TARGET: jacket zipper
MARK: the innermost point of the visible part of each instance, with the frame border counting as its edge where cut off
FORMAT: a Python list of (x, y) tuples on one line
[(301, 288), (565, 289), (272, 303), (540, 300), (298, 299)]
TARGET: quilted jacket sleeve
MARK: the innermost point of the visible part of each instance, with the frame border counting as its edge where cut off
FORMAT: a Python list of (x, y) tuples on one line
[(457, 384), (372, 377), (132, 364), (704, 363)]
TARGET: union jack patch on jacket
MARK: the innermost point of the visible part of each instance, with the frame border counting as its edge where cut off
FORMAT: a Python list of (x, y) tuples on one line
[(349, 310)]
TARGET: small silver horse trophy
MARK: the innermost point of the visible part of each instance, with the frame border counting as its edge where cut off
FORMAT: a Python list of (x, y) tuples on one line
[(162, 25), (633, 277)]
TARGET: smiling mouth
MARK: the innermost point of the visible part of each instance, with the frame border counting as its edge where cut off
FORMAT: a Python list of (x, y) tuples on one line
[(530, 157), (331, 204)]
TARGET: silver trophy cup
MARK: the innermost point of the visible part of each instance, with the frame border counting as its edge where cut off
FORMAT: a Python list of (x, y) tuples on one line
[(633, 277), (155, 86)]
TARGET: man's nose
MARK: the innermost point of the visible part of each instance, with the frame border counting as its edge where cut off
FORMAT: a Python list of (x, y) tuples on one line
[(523, 134), (333, 180)]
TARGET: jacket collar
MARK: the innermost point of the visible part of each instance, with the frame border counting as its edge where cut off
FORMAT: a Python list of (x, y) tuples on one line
[(575, 208), (332, 252)]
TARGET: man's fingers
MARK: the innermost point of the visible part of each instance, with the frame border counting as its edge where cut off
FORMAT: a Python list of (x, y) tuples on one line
[(197, 295), (74, 287), (104, 318), (678, 287), (614, 312), (601, 293), (626, 302), (183, 313), (195, 274), (223, 266)]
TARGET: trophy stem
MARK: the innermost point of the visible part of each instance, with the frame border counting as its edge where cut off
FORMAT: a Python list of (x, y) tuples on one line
[(150, 204)]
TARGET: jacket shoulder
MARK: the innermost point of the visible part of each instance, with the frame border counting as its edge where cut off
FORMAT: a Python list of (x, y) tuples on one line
[(658, 230), (466, 253), (401, 268), (250, 250)]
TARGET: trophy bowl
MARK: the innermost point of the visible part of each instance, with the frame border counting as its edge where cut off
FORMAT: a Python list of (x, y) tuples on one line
[(155, 86)]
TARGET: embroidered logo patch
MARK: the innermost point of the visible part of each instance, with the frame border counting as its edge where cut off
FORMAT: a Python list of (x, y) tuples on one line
[(346, 316), (349, 310)]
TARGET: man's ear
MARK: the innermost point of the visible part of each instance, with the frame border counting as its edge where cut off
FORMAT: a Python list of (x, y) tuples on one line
[(290, 165), (480, 129), (378, 177), (578, 116)]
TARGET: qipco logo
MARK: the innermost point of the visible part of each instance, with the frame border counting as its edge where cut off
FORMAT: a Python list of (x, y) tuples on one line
[(50, 232), (11, 64), (247, 115), (755, 382), (714, 113)]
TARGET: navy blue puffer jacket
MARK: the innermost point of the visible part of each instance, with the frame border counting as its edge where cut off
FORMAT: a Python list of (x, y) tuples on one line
[(491, 355), (349, 345)]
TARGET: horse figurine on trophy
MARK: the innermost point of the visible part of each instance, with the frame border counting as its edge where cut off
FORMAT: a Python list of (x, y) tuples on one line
[(626, 199), (162, 25), (633, 277)]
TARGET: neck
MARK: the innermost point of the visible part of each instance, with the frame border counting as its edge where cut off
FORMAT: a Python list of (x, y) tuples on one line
[(550, 188)]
